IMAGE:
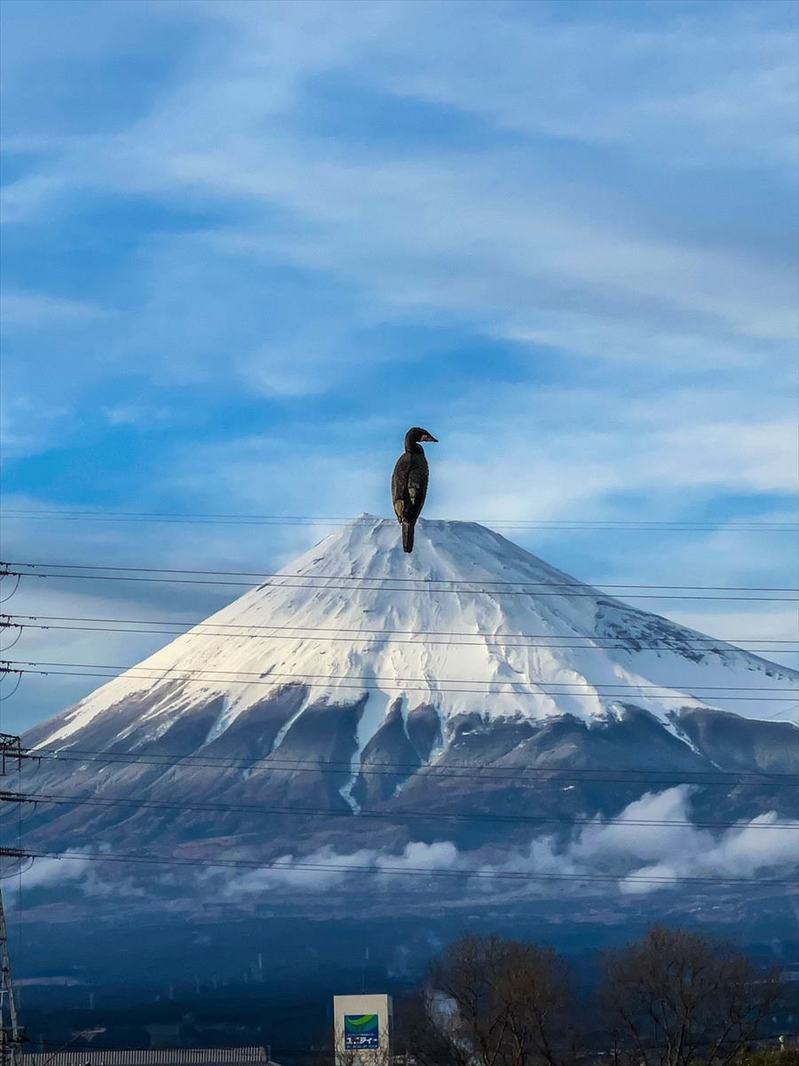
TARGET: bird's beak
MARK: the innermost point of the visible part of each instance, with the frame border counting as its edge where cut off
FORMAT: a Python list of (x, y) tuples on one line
[(429, 437)]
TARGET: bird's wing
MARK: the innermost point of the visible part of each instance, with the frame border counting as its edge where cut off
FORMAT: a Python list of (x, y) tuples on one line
[(417, 486), (399, 484)]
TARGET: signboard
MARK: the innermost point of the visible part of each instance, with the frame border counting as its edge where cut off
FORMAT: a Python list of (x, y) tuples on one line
[(361, 1032), (361, 1029)]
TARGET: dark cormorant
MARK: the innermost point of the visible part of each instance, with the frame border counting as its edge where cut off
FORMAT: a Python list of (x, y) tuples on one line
[(409, 483)]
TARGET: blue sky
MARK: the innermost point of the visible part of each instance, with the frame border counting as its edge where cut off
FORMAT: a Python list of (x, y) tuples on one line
[(245, 245)]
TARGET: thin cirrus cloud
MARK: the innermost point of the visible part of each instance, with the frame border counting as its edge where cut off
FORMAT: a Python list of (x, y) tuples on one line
[(461, 231), (32, 309), (719, 79)]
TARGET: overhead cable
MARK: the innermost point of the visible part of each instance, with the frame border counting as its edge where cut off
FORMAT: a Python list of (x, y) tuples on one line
[(409, 684), (473, 770), (399, 815), (380, 869), (484, 637), (696, 525), (264, 576), (367, 637), (310, 581)]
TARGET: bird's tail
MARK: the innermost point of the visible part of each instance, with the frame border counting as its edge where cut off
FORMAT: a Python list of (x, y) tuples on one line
[(407, 536)]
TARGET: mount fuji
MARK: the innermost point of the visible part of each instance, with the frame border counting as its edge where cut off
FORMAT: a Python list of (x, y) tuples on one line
[(466, 703)]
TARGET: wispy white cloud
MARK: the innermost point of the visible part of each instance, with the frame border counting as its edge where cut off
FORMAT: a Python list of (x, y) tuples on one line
[(683, 88), (537, 453), (137, 414), (460, 232), (30, 309)]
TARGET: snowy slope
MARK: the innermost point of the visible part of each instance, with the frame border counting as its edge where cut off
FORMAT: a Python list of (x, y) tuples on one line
[(355, 617)]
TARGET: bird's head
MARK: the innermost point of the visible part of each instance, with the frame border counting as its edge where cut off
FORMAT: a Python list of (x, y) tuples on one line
[(416, 435)]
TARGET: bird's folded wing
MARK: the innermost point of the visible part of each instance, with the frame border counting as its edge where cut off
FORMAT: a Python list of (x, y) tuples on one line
[(416, 485), (398, 488)]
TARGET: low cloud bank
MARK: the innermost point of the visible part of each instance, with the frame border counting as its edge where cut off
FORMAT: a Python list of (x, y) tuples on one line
[(632, 850), (623, 851), (623, 854)]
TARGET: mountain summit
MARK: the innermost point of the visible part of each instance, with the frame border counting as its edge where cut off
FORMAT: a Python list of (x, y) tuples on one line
[(470, 623), (360, 675)]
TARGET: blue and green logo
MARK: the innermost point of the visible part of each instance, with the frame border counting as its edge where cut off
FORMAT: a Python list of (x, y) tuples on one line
[(361, 1032)]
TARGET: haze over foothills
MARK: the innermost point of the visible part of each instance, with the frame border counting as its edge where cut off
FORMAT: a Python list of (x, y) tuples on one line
[(246, 245)]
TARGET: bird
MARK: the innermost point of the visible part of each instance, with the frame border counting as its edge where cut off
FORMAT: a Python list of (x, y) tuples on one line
[(409, 483)]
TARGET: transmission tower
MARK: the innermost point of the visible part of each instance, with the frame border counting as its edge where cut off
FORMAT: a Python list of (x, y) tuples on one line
[(11, 1035)]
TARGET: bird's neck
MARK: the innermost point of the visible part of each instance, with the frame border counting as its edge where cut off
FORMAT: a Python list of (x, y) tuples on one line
[(413, 446)]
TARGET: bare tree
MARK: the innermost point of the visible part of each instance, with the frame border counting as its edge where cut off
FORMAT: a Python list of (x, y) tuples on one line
[(678, 997), (492, 1002)]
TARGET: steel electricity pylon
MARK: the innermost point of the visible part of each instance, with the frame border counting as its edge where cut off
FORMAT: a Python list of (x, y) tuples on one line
[(11, 1035)]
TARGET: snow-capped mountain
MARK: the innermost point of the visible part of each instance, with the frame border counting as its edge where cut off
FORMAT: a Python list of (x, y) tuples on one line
[(361, 678)]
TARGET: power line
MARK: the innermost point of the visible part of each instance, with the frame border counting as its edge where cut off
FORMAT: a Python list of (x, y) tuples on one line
[(483, 637), (247, 677), (161, 676), (408, 871), (367, 688), (8, 695), (261, 575), (198, 629), (283, 764), (7, 573), (6, 623), (327, 520), (697, 637), (288, 584), (397, 816), (287, 581)]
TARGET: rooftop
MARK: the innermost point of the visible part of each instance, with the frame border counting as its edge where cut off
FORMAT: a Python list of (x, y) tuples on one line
[(225, 1056)]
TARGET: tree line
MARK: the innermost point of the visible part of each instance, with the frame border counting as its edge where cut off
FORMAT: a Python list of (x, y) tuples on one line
[(673, 998)]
